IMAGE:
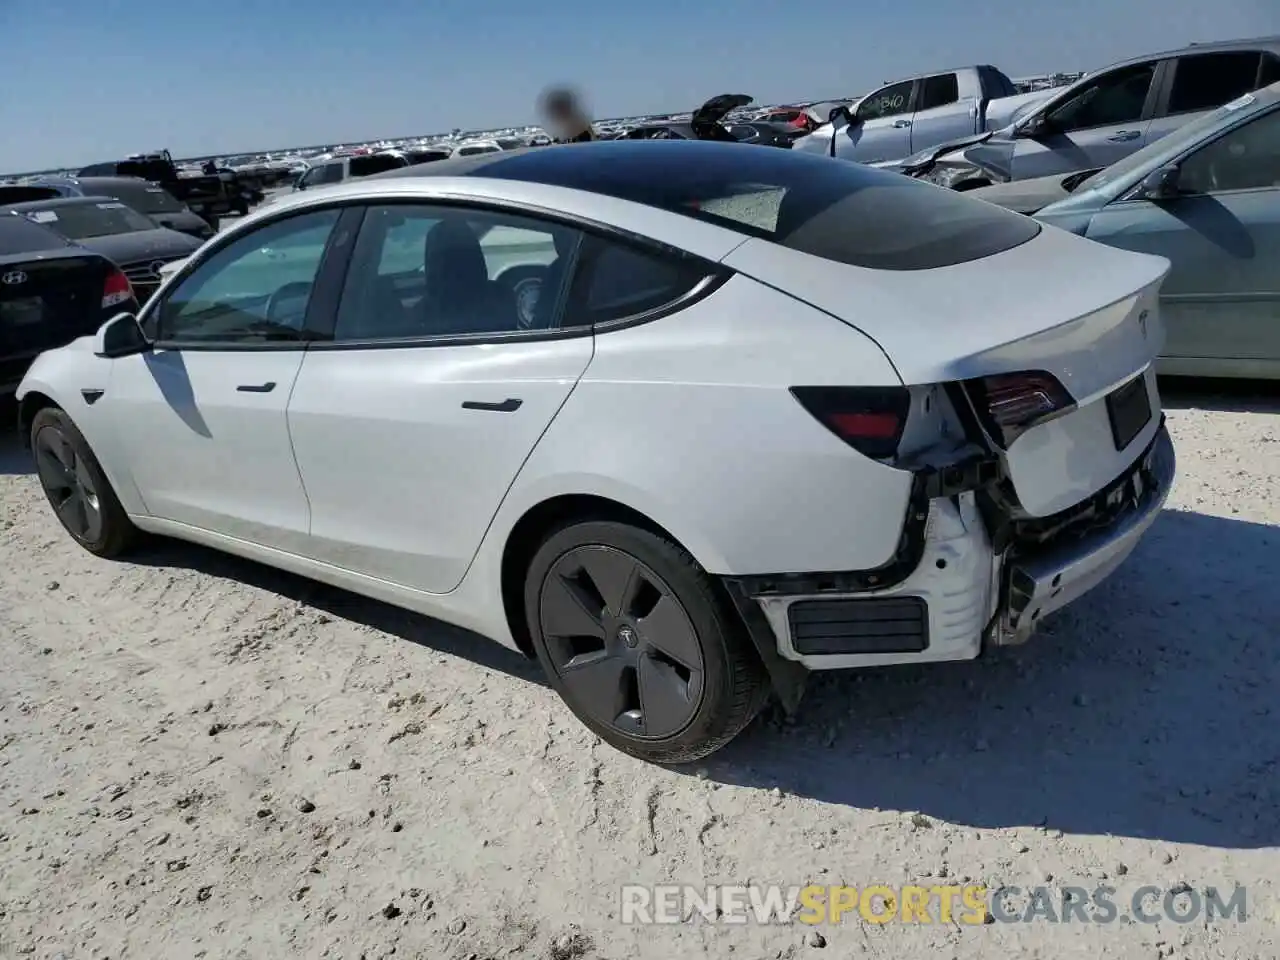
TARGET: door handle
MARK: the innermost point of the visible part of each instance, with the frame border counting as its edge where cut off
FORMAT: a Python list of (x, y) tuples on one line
[(257, 387), (1125, 135), (509, 405), (902, 123)]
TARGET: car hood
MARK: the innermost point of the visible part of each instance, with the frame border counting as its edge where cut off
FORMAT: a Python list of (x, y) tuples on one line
[(715, 109), (1026, 196), (128, 247)]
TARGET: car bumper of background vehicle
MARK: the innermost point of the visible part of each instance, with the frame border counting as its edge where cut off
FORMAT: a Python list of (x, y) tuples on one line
[(961, 593)]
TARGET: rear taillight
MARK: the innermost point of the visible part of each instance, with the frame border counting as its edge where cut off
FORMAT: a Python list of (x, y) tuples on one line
[(1011, 403), (116, 290), (869, 419)]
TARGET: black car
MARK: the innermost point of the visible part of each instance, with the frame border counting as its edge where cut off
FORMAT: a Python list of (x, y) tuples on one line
[(51, 292), (145, 197), (707, 123), (114, 229)]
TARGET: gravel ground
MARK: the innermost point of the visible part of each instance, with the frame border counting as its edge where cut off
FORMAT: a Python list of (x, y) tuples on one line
[(200, 757)]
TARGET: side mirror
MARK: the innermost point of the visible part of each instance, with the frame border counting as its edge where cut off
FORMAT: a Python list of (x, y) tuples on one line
[(121, 336), (1162, 184), (1036, 125), (841, 117)]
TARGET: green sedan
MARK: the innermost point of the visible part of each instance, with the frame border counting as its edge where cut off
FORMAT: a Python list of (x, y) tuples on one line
[(1207, 198)]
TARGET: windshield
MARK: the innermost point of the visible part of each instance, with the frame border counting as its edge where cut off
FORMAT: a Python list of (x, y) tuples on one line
[(80, 221), (845, 212), (1170, 145), (147, 199), (20, 235)]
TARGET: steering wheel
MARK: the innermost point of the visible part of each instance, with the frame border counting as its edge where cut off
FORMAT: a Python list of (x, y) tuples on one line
[(525, 284), (278, 311)]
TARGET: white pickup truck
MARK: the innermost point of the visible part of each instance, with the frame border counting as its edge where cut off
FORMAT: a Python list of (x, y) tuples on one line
[(907, 116)]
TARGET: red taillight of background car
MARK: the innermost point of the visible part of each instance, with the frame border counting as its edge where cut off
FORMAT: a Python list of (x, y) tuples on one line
[(869, 419), (1011, 403), (116, 290)]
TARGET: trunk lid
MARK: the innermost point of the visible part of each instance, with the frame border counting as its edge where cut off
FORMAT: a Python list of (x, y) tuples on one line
[(45, 303), (1083, 312)]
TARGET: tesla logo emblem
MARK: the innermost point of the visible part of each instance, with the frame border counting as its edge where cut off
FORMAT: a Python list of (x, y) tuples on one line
[(14, 277), (1142, 322), (155, 268)]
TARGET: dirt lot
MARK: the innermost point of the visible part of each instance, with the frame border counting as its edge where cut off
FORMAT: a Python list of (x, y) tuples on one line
[(200, 757)]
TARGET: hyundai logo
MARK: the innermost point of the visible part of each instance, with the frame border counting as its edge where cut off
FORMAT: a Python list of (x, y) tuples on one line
[(14, 277)]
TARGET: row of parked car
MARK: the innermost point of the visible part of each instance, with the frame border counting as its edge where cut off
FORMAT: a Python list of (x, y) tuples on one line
[(1175, 154)]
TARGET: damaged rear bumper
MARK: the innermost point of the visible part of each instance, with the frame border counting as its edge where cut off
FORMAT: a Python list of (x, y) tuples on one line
[(964, 584), (1040, 582)]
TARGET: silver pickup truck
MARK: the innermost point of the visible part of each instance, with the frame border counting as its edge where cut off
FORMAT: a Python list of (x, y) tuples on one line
[(907, 116)]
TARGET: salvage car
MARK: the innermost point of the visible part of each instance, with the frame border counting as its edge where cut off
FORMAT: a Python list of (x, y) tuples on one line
[(209, 195), (763, 427), (112, 228), (708, 123), (338, 169), (1207, 198), (1108, 114), (51, 292), (142, 195), (907, 116)]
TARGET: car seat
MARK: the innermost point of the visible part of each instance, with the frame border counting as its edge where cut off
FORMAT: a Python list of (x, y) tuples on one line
[(460, 297)]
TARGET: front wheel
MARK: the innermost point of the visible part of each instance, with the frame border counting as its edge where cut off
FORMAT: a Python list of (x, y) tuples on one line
[(78, 490), (635, 638)]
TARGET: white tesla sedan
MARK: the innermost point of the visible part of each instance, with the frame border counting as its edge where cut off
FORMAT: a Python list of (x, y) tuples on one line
[(763, 414)]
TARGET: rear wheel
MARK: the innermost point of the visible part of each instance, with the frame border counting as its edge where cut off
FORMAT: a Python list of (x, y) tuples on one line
[(78, 490), (634, 637)]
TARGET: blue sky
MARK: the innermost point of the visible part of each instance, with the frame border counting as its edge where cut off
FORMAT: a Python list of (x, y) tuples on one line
[(89, 80)]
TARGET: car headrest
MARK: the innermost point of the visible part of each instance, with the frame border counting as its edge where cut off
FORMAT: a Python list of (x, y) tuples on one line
[(452, 258)]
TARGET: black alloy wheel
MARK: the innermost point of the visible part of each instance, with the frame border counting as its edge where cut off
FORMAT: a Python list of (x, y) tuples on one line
[(642, 644), (621, 643), (77, 489), (68, 484)]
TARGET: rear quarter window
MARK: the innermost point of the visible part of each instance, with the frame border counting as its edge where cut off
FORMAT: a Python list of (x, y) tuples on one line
[(615, 280)]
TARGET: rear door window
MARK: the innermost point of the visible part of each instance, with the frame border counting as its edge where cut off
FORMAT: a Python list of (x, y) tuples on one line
[(939, 91), (1206, 81)]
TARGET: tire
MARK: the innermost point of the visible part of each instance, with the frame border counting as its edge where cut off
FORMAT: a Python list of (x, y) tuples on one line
[(661, 668), (107, 530), (212, 220)]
